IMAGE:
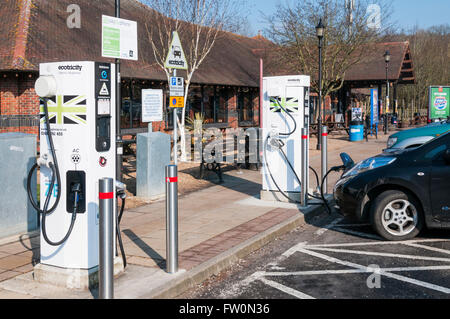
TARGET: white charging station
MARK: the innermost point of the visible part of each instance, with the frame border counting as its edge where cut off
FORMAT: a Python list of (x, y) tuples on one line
[(290, 93), (81, 108)]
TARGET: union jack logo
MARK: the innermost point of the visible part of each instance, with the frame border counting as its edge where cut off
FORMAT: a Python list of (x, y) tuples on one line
[(290, 104), (66, 109)]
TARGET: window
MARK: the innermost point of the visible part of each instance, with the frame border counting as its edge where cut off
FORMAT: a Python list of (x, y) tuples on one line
[(437, 147), (130, 114), (245, 106), (131, 93), (210, 101)]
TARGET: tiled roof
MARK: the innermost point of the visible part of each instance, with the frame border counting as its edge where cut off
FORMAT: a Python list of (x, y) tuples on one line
[(35, 31), (373, 66), (231, 61)]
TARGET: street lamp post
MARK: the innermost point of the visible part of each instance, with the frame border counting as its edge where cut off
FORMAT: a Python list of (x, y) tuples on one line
[(319, 32), (387, 59)]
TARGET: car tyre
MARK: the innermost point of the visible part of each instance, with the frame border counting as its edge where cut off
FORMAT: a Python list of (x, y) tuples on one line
[(396, 216)]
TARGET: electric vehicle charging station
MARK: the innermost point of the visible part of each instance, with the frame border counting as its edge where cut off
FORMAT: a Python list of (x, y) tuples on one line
[(79, 99), (285, 114)]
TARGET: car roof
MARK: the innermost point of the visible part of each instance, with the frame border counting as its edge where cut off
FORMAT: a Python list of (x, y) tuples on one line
[(435, 129)]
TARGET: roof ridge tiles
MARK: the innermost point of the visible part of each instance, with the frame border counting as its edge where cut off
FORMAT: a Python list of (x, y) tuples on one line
[(21, 38)]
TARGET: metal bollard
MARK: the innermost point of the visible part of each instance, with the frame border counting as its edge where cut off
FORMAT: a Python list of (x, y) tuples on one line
[(106, 240), (304, 186), (171, 219), (324, 156)]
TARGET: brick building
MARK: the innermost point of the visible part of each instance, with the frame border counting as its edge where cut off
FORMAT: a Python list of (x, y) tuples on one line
[(225, 89)]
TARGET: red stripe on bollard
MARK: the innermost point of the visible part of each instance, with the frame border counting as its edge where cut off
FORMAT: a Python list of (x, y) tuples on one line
[(324, 134), (105, 195), (172, 180)]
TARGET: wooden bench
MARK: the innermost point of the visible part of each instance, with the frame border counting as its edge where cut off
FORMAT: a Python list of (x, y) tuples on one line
[(211, 164)]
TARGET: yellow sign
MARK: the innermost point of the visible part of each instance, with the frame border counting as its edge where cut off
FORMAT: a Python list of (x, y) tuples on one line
[(177, 101)]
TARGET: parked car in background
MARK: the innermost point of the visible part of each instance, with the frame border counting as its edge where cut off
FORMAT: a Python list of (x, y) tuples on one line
[(400, 192), (417, 136)]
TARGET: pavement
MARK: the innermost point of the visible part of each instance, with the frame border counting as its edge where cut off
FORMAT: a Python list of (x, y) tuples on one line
[(218, 225)]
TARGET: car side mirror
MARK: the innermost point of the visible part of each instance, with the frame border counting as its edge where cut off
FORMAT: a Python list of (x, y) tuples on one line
[(347, 161), (447, 156)]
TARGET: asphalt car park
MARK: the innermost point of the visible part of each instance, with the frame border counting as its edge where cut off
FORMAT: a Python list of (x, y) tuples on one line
[(342, 259)]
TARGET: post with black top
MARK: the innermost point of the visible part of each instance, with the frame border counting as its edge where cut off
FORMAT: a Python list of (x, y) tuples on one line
[(106, 240), (304, 185), (324, 156), (171, 219)]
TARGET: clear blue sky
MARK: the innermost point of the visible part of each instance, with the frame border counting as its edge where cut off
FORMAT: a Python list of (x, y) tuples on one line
[(407, 13)]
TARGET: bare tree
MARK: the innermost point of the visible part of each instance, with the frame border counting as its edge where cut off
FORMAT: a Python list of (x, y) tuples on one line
[(199, 23), (346, 40), (431, 53)]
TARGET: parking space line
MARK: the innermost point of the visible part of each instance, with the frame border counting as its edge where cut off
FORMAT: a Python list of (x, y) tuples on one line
[(439, 250), (380, 243), (384, 273), (285, 289), (322, 230), (294, 249), (370, 253), (351, 271)]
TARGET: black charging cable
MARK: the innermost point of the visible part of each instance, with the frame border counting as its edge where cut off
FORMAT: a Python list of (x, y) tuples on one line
[(118, 233), (280, 147), (55, 177)]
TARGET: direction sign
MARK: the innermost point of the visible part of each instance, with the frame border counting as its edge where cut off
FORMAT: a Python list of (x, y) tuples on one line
[(177, 101), (176, 58), (176, 86)]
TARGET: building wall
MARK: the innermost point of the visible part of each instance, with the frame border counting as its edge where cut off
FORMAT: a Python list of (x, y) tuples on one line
[(19, 105)]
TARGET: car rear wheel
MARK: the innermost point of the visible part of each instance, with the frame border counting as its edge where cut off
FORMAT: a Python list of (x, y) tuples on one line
[(396, 216)]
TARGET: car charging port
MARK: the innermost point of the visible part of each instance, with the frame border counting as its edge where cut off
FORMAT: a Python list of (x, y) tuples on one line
[(76, 190)]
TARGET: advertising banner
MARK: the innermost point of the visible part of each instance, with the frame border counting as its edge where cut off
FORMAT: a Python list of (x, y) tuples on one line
[(439, 102), (374, 114)]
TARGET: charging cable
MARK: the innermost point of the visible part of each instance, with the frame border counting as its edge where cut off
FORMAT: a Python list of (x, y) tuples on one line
[(55, 178)]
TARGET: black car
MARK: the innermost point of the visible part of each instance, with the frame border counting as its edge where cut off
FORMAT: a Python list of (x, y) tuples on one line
[(400, 192)]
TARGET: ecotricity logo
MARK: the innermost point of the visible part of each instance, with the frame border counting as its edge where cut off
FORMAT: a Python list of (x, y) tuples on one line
[(70, 68)]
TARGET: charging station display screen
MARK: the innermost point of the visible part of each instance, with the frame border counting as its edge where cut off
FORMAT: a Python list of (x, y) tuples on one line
[(103, 106)]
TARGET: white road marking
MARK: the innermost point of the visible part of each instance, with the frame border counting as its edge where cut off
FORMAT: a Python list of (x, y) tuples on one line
[(322, 230), (380, 243), (285, 289), (303, 247), (294, 249), (370, 253), (439, 250), (384, 273), (352, 271)]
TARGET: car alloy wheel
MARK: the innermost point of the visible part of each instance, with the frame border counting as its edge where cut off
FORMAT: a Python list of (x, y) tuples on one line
[(400, 217), (396, 215)]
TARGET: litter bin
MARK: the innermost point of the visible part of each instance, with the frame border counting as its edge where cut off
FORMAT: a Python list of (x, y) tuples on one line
[(394, 120), (356, 131)]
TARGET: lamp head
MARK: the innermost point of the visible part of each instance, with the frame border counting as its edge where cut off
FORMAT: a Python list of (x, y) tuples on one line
[(387, 57), (320, 29)]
